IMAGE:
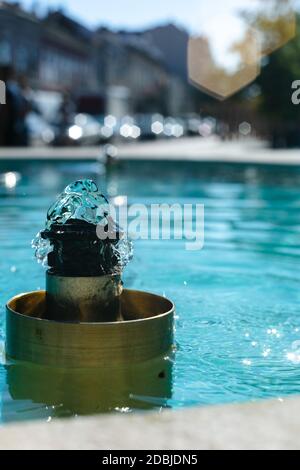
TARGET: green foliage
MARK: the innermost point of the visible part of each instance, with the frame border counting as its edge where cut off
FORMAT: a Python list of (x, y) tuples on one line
[(275, 81)]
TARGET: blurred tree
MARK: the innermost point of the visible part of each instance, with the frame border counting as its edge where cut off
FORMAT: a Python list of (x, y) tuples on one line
[(275, 81), (278, 26), (275, 22), (266, 103)]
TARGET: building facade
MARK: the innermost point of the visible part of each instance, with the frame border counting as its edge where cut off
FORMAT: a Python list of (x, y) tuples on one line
[(20, 40), (128, 64), (117, 72), (66, 61)]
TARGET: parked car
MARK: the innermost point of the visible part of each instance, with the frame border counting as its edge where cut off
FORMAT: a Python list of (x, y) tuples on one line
[(174, 127), (83, 129), (40, 131)]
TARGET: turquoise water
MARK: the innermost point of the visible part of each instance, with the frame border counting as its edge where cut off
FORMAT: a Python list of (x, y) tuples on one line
[(237, 300)]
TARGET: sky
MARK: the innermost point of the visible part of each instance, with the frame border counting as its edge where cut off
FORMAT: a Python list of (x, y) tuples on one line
[(131, 14), (218, 20)]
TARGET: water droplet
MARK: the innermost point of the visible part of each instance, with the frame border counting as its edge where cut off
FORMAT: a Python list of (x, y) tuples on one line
[(296, 345), (247, 362), (293, 357), (273, 332), (266, 352)]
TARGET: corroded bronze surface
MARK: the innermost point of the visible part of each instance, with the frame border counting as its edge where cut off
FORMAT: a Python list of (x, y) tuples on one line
[(83, 299)]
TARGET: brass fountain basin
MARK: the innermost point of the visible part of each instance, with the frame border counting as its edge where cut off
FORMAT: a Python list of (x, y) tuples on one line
[(145, 332)]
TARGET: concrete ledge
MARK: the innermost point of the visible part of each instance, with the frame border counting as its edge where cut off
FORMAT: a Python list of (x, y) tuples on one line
[(186, 149), (265, 425), (210, 150), (51, 153)]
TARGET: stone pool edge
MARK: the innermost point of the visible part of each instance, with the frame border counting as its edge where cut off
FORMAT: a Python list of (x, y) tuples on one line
[(196, 149), (266, 425)]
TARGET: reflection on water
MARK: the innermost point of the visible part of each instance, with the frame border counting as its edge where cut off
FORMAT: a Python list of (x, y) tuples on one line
[(237, 300), (34, 391)]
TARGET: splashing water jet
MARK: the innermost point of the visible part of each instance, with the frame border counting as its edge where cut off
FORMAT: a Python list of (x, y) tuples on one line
[(84, 276)]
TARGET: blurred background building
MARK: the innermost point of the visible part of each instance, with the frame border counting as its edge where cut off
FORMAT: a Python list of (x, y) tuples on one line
[(139, 83), (106, 71)]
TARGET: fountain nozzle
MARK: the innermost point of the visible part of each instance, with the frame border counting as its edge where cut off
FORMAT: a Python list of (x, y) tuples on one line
[(80, 284)]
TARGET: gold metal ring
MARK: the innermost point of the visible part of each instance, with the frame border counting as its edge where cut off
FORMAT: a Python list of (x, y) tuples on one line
[(145, 333)]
